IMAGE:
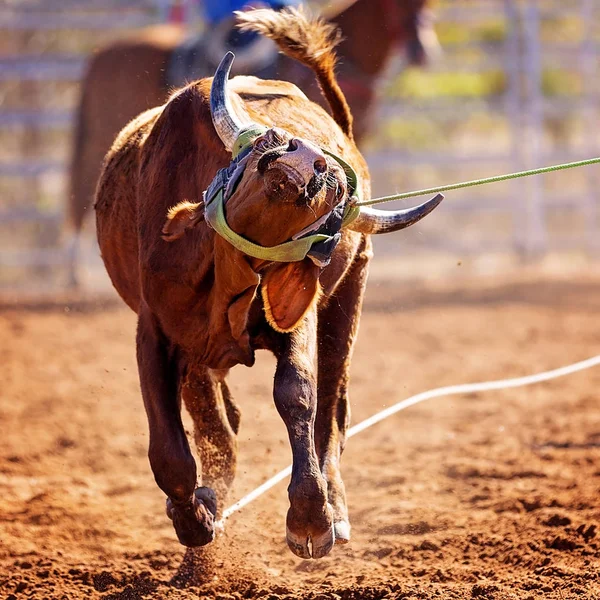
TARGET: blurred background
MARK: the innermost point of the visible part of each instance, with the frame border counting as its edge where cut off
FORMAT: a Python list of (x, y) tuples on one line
[(516, 86)]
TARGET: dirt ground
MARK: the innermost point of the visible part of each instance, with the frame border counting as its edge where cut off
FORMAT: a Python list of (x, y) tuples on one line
[(493, 495)]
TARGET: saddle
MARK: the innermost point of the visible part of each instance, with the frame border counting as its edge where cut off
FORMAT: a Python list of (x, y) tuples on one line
[(199, 55)]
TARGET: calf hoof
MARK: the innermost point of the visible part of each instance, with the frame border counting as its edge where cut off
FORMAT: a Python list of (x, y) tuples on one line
[(342, 532), (308, 546), (312, 540), (322, 544), (194, 522)]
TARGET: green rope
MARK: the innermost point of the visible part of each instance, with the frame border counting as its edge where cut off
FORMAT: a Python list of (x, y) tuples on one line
[(465, 184)]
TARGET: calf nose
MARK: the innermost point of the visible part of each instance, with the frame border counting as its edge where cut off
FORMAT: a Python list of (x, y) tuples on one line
[(305, 158), (320, 165)]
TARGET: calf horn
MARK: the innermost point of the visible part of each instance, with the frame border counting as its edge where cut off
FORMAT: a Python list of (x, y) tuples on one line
[(227, 123), (373, 221)]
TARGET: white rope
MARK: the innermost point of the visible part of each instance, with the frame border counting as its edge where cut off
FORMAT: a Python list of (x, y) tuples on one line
[(451, 390)]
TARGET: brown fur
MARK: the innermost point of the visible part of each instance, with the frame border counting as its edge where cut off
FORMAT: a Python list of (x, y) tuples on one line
[(289, 297), (200, 302), (127, 77), (181, 217)]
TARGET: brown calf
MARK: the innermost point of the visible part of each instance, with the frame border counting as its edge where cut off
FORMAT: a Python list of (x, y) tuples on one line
[(205, 305)]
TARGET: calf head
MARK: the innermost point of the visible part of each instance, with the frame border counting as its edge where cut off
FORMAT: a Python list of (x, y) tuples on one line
[(290, 191)]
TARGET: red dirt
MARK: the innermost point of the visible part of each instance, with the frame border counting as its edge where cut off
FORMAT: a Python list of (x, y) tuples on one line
[(491, 496)]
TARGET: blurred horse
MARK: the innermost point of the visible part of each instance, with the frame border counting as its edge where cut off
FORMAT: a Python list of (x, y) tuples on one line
[(128, 76)]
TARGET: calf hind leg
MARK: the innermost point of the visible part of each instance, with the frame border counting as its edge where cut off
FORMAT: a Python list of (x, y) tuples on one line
[(216, 422)]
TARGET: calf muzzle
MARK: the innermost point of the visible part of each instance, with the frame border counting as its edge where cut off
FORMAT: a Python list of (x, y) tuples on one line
[(295, 174)]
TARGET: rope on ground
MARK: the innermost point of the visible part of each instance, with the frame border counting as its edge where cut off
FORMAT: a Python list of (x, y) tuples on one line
[(474, 182), (451, 390)]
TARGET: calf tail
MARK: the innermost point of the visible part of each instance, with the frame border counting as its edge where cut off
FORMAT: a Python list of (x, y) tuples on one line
[(310, 41)]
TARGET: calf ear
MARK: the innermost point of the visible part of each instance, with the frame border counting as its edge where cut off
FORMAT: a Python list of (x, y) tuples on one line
[(289, 291), (181, 217)]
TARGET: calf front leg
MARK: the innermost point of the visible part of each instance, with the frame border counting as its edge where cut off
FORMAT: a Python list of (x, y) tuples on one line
[(309, 519), (338, 326), (192, 510)]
